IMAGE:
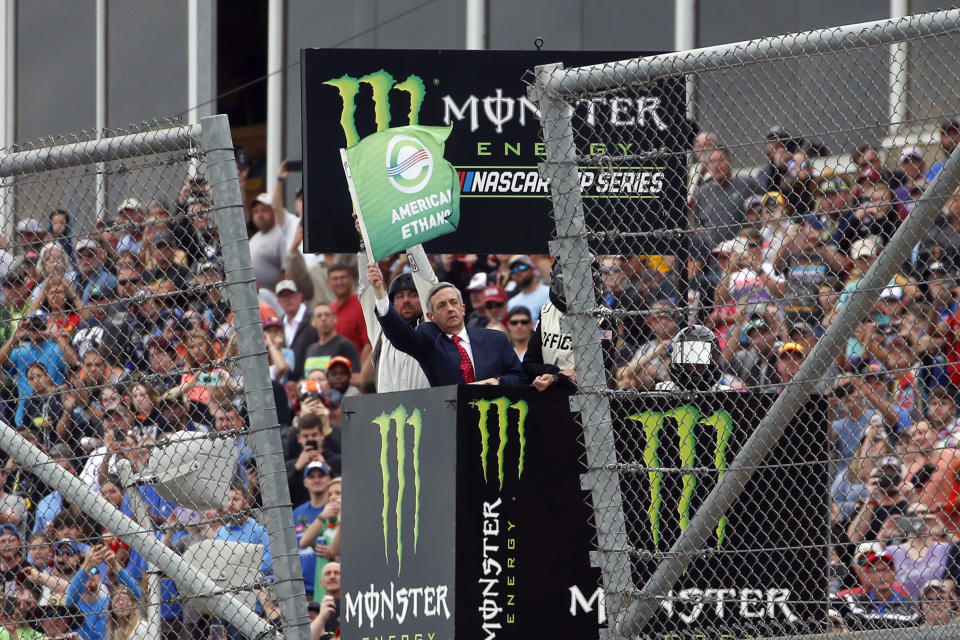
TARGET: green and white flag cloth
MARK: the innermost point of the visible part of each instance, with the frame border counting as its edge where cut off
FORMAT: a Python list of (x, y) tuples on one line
[(403, 191)]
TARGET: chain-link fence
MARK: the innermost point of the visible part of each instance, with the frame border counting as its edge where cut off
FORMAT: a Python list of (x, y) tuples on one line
[(142, 487), (763, 304)]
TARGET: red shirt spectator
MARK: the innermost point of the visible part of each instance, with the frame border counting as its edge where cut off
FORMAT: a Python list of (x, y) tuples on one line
[(350, 322)]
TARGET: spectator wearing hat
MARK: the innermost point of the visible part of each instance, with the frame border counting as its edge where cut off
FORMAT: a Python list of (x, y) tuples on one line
[(339, 372), (942, 241), (448, 351), (16, 294), (495, 307), (829, 215), (532, 292), (347, 308), (396, 370), (12, 558), (807, 262), (914, 169), (949, 132), (240, 526), (878, 601), (13, 508), (717, 204), (650, 363), (800, 186), (873, 388), (620, 293), (750, 353), (130, 215), (789, 358), (923, 555), (298, 332), (165, 246), (58, 621), (328, 343), (84, 591), (268, 246), (316, 480), (278, 354), (475, 314), (779, 150), (939, 602), (32, 234)]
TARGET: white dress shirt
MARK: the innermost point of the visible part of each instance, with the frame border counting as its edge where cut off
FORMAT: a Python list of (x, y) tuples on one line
[(383, 305), (290, 325)]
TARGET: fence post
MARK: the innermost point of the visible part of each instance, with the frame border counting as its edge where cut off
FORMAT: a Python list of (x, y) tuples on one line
[(261, 411), (773, 425), (576, 260)]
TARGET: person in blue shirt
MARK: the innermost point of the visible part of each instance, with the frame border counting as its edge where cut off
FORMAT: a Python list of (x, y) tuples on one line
[(226, 417), (240, 527), (36, 341), (84, 591), (949, 137), (316, 479)]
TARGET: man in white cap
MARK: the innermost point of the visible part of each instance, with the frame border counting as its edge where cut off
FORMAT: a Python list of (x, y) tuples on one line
[(269, 244), (32, 234)]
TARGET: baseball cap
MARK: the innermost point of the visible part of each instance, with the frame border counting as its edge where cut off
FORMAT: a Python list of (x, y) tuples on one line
[(892, 292), (313, 605), (263, 198), (750, 202), (756, 323), (165, 238), (66, 547), (9, 530), (272, 321), (331, 398), (13, 278), (207, 265), (129, 203), (792, 347), (910, 152), (936, 584), (949, 123), (99, 293), (773, 198), (778, 133), (939, 265), (864, 247), (477, 282), (725, 248), (520, 259), (286, 285), (29, 226), (341, 360), (316, 464), (494, 293), (833, 184), (87, 243), (891, 461)]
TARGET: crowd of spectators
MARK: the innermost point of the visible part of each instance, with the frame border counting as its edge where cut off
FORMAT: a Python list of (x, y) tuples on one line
[(118, 335)]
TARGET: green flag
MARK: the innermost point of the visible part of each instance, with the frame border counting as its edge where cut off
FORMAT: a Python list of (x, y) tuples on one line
[(403, 191)]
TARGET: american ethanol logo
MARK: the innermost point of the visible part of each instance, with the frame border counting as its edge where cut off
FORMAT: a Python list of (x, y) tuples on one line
[(397, 424), (719, 426), (409, 164), (503, 407), (381, 83)]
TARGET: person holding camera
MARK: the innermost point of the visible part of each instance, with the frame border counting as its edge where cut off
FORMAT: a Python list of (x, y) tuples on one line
[(311, 446), (884, 501)]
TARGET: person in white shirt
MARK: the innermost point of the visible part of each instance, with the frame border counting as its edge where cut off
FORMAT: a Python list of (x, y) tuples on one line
[(268, 247)]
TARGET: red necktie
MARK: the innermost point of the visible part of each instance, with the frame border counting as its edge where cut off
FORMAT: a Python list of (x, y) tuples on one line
[(466, 367)]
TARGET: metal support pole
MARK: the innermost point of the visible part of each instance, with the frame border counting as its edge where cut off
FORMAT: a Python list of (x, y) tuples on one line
[(773, 425), (262, 413), (684, 39), (477, 24), (740, 54), (8, 109), (101, 109), (898, 72), (275, 30), (201, 59), (577, 262), (189, 578), (142, 516)]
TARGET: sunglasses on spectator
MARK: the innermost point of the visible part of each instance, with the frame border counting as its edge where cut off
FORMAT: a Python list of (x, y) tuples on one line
[(519, 322), (495, 305), (120, 283), (519, 268), (613, 269)]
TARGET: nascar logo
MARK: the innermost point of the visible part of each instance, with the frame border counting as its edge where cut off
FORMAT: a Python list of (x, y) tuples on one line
[(409, 164)]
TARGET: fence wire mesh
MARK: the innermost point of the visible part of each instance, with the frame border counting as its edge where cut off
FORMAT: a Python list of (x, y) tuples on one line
[(716, 210), (130, 503)]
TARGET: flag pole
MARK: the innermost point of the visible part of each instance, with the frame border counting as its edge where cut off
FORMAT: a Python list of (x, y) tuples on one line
[(356, 205)]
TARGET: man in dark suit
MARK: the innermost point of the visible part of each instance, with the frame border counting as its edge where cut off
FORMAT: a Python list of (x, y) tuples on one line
[(448, 352), (298, 330)]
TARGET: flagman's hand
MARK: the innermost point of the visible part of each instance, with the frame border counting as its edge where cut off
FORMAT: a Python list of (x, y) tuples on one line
[(375, 278)]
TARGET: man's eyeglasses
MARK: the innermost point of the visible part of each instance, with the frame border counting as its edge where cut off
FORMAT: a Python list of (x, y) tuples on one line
[(121, 283), (519, 322), (495, 305), (609, 270), (519, 268)]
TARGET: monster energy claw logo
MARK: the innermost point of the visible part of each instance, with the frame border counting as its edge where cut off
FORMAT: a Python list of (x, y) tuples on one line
[(381, 84), (688, 419), (398, 420), (503, 406)]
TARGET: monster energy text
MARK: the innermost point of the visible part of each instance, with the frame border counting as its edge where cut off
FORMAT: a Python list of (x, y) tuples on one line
[(398, 421), (688, 419), (499, 538)]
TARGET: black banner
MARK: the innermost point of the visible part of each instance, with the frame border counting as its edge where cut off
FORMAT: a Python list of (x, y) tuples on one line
[(471, 522), (495, 144)]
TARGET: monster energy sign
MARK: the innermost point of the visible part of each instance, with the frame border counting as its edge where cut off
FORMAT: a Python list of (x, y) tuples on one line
[(495, 145), (471, 520)]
